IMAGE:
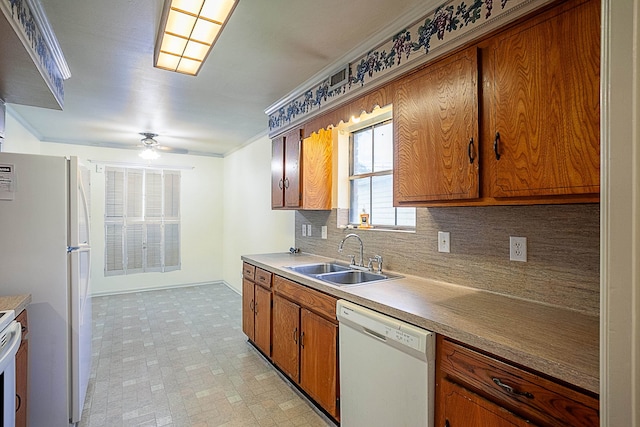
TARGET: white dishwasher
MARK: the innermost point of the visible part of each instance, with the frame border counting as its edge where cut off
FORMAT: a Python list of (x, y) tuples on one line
[(387, 370)]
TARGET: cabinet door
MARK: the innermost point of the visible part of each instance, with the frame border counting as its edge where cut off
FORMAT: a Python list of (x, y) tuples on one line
[(262, 326), (22, 363), (248, 302), (292, 169), (286, 332), (277, 173), (462, 408), (436, 132), (318, 359), (546, 105)]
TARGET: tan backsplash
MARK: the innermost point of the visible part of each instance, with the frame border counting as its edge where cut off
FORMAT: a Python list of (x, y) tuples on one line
[(563, 249)]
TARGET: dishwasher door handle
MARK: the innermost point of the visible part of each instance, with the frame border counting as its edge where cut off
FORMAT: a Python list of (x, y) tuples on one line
[(374, 334)]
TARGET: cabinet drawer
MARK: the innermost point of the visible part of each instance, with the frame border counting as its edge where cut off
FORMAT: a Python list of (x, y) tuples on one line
[(263, 277), (315, 301), (248, 271), (24, 322), (538, 399)]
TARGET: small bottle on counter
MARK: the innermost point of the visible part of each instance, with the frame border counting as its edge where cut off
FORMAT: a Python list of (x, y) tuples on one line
[(364, 219)]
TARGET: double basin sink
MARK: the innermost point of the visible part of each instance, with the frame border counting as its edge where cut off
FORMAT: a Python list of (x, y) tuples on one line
[(340, 275)]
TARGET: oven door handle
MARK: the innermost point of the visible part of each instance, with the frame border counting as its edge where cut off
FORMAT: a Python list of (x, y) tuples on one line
[(8, 353)]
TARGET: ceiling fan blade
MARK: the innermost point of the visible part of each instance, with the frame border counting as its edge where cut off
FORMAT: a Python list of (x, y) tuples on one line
[(171, 150)]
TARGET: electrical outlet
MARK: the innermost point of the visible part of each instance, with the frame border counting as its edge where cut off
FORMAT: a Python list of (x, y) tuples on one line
[(304, 230), (518, 249), (308, 230), (324, 231), (444, 241)]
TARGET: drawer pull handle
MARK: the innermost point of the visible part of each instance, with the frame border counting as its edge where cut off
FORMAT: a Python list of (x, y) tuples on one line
[(471, 151), (496, 141), (511, 390)]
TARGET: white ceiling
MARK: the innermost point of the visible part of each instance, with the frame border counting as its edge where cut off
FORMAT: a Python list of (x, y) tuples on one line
[(268, 49)]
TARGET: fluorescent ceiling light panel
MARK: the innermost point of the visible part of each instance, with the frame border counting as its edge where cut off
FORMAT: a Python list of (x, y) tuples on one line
[(188, 31)]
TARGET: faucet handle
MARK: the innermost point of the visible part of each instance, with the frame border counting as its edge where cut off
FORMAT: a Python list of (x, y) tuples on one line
[(353, 259), (378, 259)]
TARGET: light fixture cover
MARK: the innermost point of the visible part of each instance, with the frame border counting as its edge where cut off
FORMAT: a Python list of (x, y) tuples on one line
[(149, 153), (188, 30)]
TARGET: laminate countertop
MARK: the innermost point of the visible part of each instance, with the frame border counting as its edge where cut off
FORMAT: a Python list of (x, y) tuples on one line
[(16, 303), (558, 342)]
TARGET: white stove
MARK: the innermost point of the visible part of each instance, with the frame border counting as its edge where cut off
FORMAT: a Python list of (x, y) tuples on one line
[(6, 317), (10, 337)]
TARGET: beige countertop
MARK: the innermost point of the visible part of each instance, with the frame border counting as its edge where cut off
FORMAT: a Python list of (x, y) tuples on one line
[(555, 341), (16, 303)]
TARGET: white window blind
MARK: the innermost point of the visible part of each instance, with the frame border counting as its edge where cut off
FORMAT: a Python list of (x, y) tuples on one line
[(142, 220)]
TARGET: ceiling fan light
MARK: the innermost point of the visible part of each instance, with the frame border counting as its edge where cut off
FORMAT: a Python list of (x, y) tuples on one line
[(189, 30), (148, 153)]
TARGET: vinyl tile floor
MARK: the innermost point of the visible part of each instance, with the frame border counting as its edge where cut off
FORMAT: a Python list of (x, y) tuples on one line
[(178, 357)]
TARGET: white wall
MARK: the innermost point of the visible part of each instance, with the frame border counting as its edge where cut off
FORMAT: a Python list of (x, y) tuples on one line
[(201, 211), (250, 226)]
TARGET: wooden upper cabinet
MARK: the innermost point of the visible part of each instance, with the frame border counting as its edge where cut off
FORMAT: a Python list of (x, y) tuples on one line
[(301, 171), (277, 172), (543, 85), (436, 132)]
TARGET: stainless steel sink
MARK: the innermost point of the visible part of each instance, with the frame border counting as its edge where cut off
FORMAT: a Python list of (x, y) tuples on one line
[(351, 277), (318, 268), (340, 275)]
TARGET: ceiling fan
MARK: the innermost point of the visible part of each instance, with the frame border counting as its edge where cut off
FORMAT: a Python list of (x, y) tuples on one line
[(151, 147)]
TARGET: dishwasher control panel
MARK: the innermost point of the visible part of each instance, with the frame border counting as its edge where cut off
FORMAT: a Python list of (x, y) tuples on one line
[(386, 328)]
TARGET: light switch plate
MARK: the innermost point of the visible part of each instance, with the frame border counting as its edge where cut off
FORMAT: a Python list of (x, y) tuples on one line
[(304, 230), (324, 231), (308, 230), (444, 241)]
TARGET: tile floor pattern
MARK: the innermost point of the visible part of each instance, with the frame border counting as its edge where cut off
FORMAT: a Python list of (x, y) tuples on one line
[(178, 357)]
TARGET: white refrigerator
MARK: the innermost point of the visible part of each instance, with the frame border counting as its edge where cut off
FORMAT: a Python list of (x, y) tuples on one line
[(44, 251)]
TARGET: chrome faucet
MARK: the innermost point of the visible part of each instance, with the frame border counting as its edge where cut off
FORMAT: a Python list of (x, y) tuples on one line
[(361, 249)]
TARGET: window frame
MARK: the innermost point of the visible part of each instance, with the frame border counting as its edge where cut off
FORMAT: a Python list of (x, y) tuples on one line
[(370, 175)]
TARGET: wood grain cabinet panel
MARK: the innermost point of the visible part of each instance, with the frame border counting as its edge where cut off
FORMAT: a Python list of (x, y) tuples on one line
[(318, 367), (286, 334), (22, 373), (531, 396), (436, 132), (462, 408), (544, 83), (262, 326), (301, 171), (248, 315), (305, 340), (256, 308)]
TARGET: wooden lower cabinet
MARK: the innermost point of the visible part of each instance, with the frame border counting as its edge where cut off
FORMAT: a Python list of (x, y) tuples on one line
[(22, 373), (286, 333), (461, 408), (256, 311), (477, 389), (318, 367), (305, 341)]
